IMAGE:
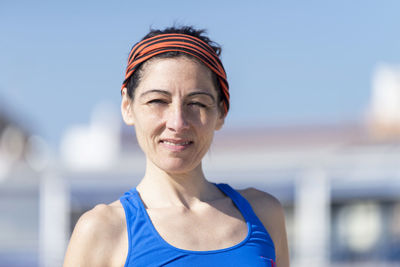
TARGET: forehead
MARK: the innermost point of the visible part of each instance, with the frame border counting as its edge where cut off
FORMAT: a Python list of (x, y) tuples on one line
[(178, 72)]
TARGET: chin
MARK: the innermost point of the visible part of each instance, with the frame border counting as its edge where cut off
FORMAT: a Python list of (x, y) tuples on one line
[(177, 166)]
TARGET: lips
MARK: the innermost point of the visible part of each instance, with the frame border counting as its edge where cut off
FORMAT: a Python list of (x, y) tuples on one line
[(176, 144)]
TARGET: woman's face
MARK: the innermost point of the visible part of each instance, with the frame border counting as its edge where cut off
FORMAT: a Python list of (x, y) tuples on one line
[(175, 111)]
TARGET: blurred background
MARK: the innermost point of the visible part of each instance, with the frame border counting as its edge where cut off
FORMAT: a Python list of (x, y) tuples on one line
[(314, 120)]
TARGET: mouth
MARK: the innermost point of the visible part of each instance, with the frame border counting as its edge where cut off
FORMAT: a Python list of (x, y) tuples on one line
[(176, 144)]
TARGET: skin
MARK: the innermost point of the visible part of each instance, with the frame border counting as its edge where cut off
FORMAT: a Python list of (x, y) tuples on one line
[(175, 112)]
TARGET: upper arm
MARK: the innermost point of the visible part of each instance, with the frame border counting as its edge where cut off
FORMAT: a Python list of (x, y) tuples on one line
[(271, 213), (91, 240)]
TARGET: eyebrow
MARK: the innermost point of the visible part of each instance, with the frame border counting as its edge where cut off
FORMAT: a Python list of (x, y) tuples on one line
[(169, 94), (156, 91), (202, 93)]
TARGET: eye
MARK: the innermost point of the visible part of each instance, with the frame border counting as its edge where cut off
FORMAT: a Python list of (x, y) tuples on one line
[(157, 101), (197, 104)]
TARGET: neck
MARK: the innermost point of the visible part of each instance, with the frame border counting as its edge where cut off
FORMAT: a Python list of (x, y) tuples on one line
[(161, 189)]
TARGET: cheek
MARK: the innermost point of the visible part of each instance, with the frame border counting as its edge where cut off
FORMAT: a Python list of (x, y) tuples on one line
[(203, 117), (146, 118), (146, 127), (140, 136), (207, 130)]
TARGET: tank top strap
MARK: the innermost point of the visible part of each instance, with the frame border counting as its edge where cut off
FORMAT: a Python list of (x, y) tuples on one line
[(241, 203), (130, 203)]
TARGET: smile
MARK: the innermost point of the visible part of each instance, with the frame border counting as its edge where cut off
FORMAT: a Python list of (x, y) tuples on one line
[(176, 145)]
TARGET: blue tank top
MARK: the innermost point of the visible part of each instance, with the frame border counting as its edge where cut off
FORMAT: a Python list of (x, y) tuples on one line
[(148, 248)]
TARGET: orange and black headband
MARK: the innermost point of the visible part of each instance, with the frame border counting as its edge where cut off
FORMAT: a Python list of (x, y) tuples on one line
[(184, 43)]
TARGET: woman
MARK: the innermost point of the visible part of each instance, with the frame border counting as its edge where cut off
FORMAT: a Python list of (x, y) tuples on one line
[(176, 95)]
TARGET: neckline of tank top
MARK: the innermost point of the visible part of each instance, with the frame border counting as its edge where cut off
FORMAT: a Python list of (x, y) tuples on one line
[(162, 240)]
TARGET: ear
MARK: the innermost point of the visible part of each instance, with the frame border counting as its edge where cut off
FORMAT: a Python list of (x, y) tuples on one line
[(126, 108), (220, 123), (221, 118)]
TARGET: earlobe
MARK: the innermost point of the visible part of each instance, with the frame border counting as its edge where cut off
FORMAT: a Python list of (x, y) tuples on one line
[(220, 123), (126, 108)]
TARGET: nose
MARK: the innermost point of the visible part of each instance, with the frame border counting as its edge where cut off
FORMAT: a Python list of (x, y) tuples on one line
[(177, 118)]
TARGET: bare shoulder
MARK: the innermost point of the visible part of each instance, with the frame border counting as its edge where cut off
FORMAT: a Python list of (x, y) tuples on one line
[(271, 213), (96, 236), (258, 198), (267, 208), (103, 218)]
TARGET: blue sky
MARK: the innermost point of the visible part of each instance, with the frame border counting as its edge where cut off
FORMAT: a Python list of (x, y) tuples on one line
[(287, 61)]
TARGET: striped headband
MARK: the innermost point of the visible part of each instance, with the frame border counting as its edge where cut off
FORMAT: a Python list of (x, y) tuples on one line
[(184, 43)]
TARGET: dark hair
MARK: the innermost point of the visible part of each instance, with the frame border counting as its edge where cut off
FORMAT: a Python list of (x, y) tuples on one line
[(134, 80)]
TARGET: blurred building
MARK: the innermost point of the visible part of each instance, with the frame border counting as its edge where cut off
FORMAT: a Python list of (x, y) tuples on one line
[(19, 194), (384, 111)]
